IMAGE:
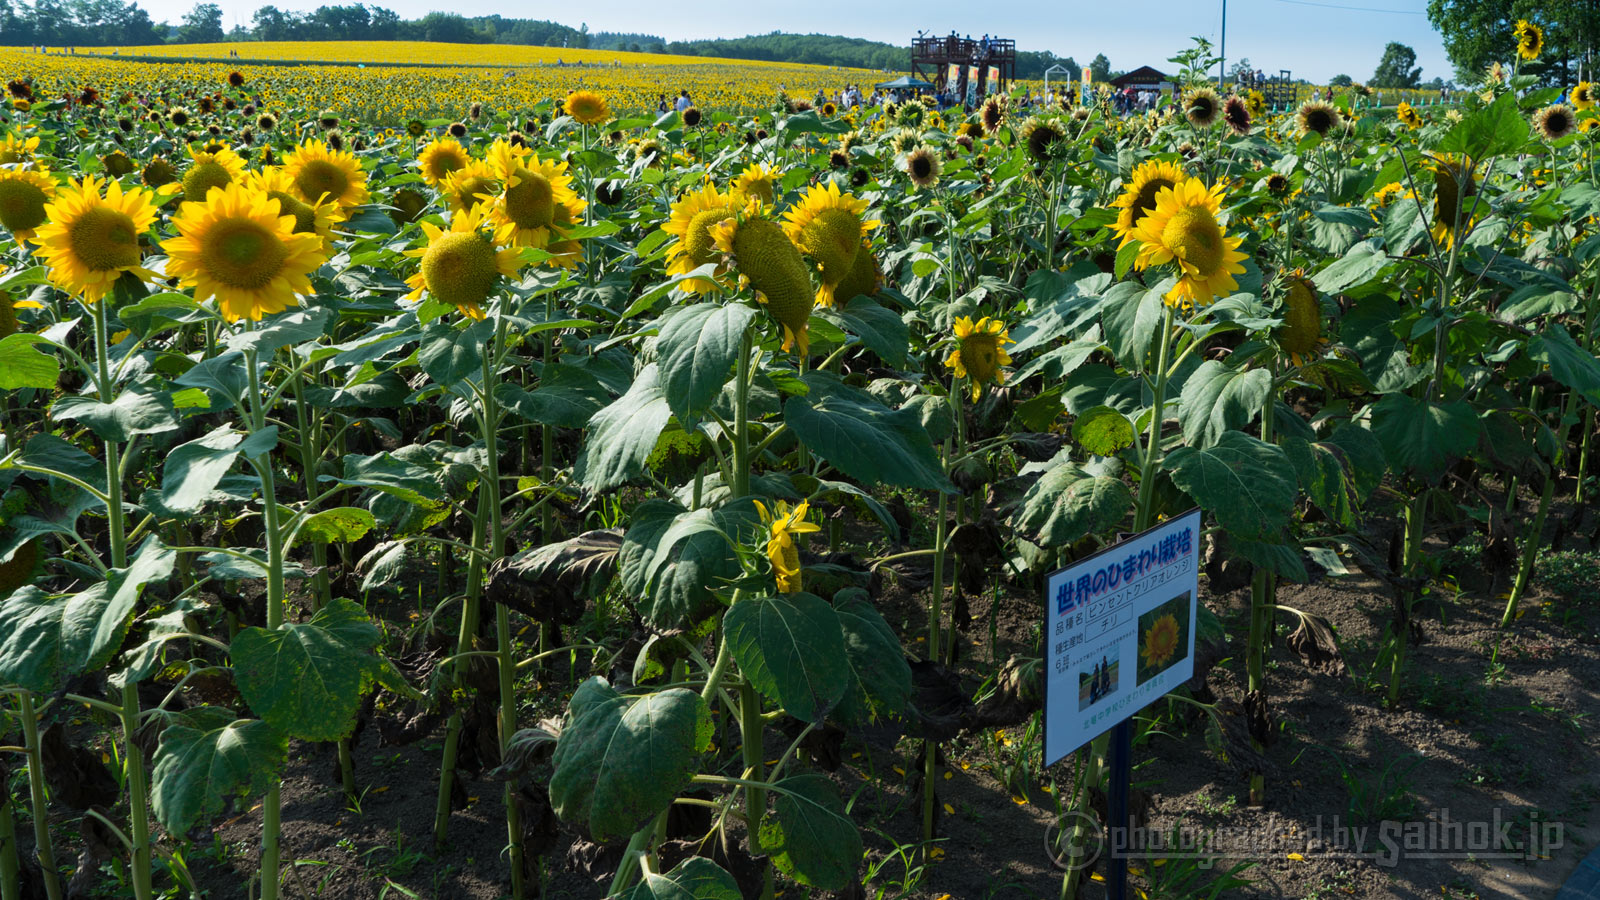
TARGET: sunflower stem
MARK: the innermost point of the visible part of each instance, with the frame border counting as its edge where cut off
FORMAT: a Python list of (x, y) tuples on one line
[(44, 850)]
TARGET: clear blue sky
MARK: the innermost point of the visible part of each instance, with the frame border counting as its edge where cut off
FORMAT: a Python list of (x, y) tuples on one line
[(1314, 41)]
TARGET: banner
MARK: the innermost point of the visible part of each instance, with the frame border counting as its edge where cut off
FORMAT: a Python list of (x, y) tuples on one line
[(973, 97)]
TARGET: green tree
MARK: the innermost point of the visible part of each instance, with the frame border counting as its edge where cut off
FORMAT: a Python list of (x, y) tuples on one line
[(202, 25), (1341, 80), (1478, 33), (1241, 70), (1398, 68), (1100, 68)]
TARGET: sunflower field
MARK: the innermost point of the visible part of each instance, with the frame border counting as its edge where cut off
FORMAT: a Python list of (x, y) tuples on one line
[(407, 491)]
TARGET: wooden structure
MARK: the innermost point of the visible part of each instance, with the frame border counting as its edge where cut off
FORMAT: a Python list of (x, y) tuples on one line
[(1142, 78), (1281, 91), (932, 57)]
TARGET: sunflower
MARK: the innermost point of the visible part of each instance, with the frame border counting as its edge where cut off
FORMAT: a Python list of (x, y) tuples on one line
[(309, 218), (1183, 229), (1256, 101), (440, 158), (1454, 200), (407, 206), (158, 172), (468, 186), (1582, 95), (765, 257), (754, 183), (1138, 196), (691, 117), (828, 226), (1201, 107), (1386, 195), (1236, 113), (531, 188), (1407, 114), (1160, 641), (905, 140), (213, 165), (16, 149), (319, 171), (588, 107), (1318, 117), (240, 248), (1530, 39), (980, 352), (923, 165), (236, 79), (782, 548), (90, 240), (1300, 335), (1555, 122), (970, 129), (993, 114), (1040, 135), (565, 253), (24, 195), (649, 152), (830, 109), (179, 116), (461, 265), (690, 222), (1589, 124), (865, 277)]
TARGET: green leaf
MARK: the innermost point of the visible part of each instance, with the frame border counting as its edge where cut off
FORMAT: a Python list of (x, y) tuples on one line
[(808, 834), (1424, 437), (449, 354), (1363, 454), (1131, 314), (1218, 398), (1569, 363), (307, 680), (696, 878), (388, 474), (620, 760), (791, 649), (1357, 267), (567, 397), (1246, 483), (286, 330), (621, 437), (1495, 130), (197, 771), (1320, 470), (23, 366), (1067, 503), (339, 525), (698, 347), (1102, 431), (882, 684), (863, 438), (881, 330), (46, 639), (127, 415), (193, 470), (673, 559), (224, 378)]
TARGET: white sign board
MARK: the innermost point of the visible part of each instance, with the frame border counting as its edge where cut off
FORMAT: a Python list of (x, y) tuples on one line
[(1119, 632)]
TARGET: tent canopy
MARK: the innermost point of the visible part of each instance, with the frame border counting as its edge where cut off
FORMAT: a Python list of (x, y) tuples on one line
[(904, 82)]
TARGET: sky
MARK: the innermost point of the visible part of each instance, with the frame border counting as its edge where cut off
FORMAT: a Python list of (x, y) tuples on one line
[(1315, 39)]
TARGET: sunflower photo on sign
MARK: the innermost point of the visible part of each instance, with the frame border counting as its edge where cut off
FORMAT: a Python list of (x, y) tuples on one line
[(1163, 637)]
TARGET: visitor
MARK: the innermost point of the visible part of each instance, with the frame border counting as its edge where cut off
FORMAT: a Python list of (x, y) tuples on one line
[(683, 101), (663, 106)]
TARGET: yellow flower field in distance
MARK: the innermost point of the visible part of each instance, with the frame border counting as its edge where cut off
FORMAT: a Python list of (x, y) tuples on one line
[(415, 52)]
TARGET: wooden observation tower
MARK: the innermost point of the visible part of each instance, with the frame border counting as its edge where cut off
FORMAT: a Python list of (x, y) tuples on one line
[(935, 59)]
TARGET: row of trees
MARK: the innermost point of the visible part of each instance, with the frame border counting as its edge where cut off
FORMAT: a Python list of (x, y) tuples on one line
[(833, 50), (1478, 33)]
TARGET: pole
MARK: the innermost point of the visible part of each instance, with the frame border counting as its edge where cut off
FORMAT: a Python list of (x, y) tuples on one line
[(1222, 51), (1117, 837)]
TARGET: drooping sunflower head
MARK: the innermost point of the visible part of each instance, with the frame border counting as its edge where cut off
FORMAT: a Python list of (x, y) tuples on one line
[(1201, 107), (827, 226), (1138, 196), (407, 205), (691, 220), (756, 182), (865, 278), (565, 252), (924, 167), (92, 238), (1160, 640), (1319, 118), (1183, 230), (24, 194), (1555, 122), (211, 166), (116, 163), (783, 524), (16, 149), (763, 255), (1236, 113), (461, 264), (319, 171), (440, 158), (1041, 136), (1530, 39), (1455, 189), (531, 189), (1583, 95), (309, 218), (993, 113), (1300, 335), (980, 352), (157, 172), (588, 107), (238, 247), (1385, 196)]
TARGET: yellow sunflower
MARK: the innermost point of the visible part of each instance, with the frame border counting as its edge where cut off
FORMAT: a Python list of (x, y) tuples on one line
[(1139, 195), (980, 352), (587, 107), (441, 158), (565, 252), (467, 187), (15, 149), (531, 189), (1407, 114), (211, 166), (865, 278), (309, 218), (1583, 96), (827, 226), (1183, 229), (755, 182), (319, 171), (1455, 208), (90, 239), (690, 222), (764, 256), (461, 264), (1530, 39), (782, 548), (240, 248), (1160, 641), (24, 193)]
